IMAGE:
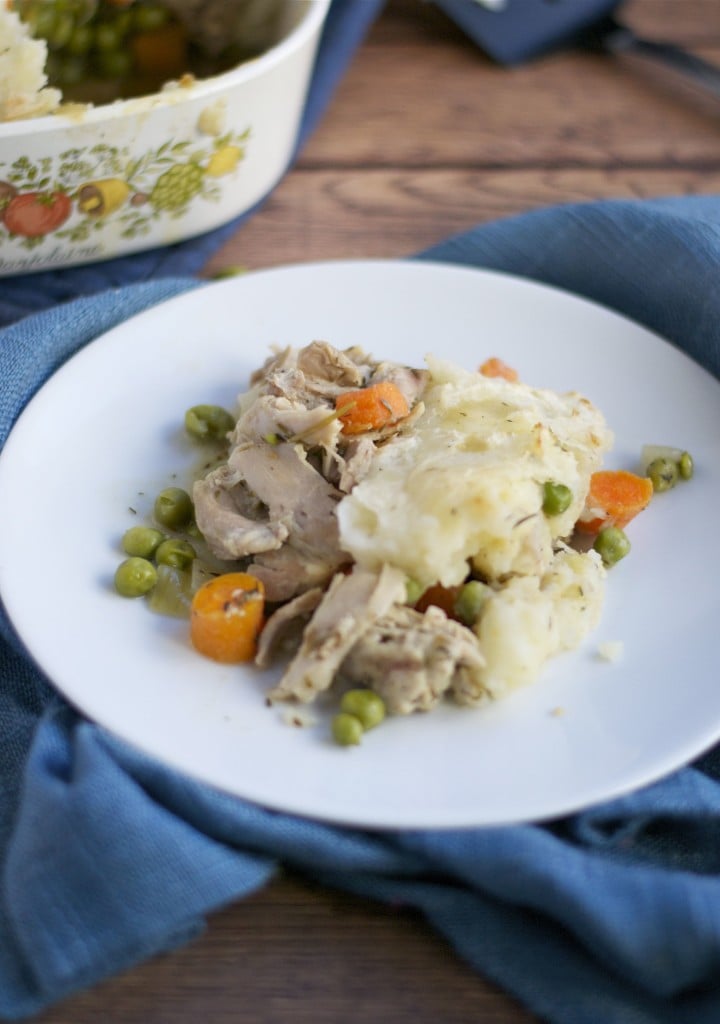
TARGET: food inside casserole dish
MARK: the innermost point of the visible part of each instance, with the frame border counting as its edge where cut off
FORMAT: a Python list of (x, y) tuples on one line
[(55, 52)]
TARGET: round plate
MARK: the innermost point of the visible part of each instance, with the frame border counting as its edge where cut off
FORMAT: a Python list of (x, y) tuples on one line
[(105, 433)]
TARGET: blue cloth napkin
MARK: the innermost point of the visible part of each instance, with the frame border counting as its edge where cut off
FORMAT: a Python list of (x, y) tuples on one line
[(345, 27), (611, 916)]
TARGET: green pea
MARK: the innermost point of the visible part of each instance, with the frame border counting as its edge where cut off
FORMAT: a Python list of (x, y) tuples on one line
[(135, 577), (61, 32), (347, 730), (80, 41), (208, 422), (413, 591), (557, 498), (107, 37), (686, 466), (470, 600), (612, 544), (663, 473), (41, 20), (173, 508), (148, 17), (122, 21), (84, 10), (365, 705), (114, 63), (142, 541), (177, 553)]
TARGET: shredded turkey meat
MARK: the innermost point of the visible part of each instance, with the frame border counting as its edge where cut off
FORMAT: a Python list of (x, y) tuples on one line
[(349, 608), (411, 660), (274, 498)]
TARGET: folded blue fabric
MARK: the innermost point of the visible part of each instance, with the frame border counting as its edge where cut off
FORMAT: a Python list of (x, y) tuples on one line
[(345, 26), (611, 916)]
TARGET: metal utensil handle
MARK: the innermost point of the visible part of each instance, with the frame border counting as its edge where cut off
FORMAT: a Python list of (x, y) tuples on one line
[(620, 39)]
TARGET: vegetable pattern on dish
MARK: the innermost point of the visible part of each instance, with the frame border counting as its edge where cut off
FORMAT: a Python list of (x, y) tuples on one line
[(96, 189)]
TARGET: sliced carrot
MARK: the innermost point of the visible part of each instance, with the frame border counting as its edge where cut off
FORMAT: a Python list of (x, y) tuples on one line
[(226, 616), (495, 367), (614, 498), (376, 406)]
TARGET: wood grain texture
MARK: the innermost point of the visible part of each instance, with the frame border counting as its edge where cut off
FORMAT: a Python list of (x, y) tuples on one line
[(298, 954), (574, 109), (425, 137), (394, 213), (426, 96)]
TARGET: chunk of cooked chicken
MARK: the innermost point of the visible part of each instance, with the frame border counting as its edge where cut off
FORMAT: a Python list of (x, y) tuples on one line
[(282, 633), (294, 507), (411, 659), (348, 609), (275, 497)]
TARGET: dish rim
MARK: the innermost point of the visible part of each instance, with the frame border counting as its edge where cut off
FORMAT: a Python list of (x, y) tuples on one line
[(200, 89)]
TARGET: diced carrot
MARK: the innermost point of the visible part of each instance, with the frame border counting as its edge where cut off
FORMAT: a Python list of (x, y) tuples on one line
[(376, 406), (160, 51), (495, 367), (614, 498), (439, 597), (226, 616)]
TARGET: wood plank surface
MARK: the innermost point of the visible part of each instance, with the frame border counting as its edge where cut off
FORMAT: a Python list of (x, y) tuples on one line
[(396, 212), (424, 137), (298, 954)]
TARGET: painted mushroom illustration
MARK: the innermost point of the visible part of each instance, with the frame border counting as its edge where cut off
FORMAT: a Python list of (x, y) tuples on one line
[(100, 198)]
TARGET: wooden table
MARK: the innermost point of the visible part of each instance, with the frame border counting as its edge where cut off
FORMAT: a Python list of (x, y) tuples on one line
[(425, 137)]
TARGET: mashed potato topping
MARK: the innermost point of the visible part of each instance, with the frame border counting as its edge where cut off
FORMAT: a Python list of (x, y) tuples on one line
[(531, 618), (463, 491), (23, 81), (466, 484)]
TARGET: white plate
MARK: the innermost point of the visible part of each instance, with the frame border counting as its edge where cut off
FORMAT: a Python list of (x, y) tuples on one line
[(107, 426)]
